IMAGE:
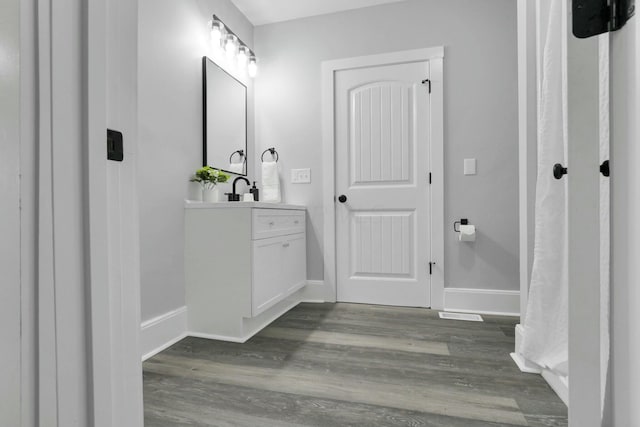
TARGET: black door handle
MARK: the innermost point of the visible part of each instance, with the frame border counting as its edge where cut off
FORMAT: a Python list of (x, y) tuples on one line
[(342, 198), (559, 171), (604, 168)]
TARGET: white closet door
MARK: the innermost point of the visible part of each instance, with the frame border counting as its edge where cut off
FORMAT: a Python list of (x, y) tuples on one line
[(382, 169)]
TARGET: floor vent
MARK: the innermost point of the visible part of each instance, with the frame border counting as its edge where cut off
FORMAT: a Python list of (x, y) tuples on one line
[(461, 316)]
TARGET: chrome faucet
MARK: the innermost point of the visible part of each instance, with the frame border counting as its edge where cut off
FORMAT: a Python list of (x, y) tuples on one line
[(235, 197)]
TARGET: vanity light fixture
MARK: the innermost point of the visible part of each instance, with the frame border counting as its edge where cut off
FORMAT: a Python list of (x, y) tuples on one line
[(217, 32), (223, 37), (243, 56), (231, 45), (252, 67)]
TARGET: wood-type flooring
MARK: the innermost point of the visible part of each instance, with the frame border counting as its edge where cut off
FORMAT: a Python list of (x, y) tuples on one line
[(351, 365)]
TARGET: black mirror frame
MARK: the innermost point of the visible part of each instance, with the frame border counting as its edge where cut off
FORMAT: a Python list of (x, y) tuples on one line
[(204, 118)]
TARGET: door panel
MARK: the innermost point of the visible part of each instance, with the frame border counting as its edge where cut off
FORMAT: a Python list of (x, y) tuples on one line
[(294, 262), (382, 244), (382, 165), (268, 285), (380, 132)]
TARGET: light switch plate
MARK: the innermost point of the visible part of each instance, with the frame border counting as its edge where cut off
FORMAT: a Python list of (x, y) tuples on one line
[(470, 166), (301, 176)]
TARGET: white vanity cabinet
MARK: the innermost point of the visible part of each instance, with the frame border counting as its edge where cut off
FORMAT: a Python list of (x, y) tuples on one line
[(244, 265)]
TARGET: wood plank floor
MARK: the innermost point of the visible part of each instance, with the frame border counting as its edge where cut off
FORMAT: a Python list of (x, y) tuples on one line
[(351, 365)]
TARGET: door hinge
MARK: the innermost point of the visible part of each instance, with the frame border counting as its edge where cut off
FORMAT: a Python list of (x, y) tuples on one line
[(427, 81), (429, 177), (593, 17), (431, 264)]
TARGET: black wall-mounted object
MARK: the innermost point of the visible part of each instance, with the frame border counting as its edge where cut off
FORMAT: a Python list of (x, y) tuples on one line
[(593, 17), (240, 153), (463, 221), (559, 171), (115, 150), (604, 169), (274, 154)]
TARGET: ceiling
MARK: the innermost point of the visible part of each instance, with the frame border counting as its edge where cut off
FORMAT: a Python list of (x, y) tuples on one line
[(261, 12)]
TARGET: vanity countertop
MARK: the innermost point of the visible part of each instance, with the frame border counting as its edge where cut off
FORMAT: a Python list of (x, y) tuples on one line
[(190, 204)]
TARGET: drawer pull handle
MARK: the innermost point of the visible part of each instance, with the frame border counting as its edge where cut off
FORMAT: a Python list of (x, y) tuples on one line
[(271, 223), (285, 245), (296, 222)]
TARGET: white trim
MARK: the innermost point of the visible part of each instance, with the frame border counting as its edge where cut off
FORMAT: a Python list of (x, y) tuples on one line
[(525, 30), (581, 62), (558, 384), (524, 364), (483, 301), (435, 57), (466, 317), (104, 335), (161, 332), (216, 337), (316, 291), (254, 324), (15, 361)]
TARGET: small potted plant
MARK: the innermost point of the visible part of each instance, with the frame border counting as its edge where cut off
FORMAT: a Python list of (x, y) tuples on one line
[(209, 178)]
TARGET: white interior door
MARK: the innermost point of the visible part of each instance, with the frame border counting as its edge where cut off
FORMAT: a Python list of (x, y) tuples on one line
[(382, 123)]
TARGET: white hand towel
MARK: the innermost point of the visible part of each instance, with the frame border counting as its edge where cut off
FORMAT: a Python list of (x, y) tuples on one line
[(236, 168), (270, 182)]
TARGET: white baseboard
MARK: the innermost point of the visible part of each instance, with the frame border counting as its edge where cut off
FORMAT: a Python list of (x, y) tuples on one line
[(482, 301), (315, 291), (162, 332), (219, 337), (558, 383), (525, 365)]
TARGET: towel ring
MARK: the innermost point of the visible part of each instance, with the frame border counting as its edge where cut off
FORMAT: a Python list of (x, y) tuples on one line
[(240, 153), (273, 152)]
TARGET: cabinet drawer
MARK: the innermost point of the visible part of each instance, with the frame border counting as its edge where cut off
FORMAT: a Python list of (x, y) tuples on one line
[(272, 222)]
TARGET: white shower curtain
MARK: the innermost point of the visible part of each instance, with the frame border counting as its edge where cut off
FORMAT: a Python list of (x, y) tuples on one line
[(545, 340)]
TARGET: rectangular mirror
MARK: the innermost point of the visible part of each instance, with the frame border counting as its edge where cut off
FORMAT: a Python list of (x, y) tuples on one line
[(224, 120)]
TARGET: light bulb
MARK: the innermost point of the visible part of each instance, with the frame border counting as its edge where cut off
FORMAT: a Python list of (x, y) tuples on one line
[(252, 68), (217, 30), (231, 45), (243, 56)]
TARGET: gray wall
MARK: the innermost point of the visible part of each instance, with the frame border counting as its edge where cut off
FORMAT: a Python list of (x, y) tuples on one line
[(173, 37), (480, 40)]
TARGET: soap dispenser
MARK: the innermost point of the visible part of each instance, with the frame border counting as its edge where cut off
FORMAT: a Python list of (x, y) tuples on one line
[(256, 193)]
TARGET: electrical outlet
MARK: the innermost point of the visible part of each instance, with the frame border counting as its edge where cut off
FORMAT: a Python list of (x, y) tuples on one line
[(301, 176)]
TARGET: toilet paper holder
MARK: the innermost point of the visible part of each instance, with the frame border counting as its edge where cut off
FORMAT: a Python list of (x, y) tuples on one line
[(463, 221)]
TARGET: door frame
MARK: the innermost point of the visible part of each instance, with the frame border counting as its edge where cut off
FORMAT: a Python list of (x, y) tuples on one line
[(435, 56), (58, 287), (12, 368)]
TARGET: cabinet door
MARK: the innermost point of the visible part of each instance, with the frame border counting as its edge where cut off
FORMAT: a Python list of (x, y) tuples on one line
[(267, 274), (295, 263)]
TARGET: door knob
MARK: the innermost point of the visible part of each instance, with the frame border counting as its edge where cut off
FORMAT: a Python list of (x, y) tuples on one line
[(604, 168), (559, 171), (342, 198)]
